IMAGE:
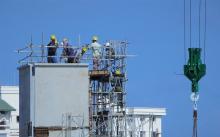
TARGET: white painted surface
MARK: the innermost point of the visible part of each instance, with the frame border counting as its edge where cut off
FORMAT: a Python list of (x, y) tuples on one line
[(48, 91), (10, 94), (144, 122), (140, 120)]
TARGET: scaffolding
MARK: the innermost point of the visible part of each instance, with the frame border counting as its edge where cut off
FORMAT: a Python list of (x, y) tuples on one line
[(108, 116), (107, 91), (72, 123)]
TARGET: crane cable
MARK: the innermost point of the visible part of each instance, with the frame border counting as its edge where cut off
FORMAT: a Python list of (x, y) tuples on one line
[(200, 6), (195, 119), (195, 97), (190, 23), (195, 112), (205, 22), (184, 30)]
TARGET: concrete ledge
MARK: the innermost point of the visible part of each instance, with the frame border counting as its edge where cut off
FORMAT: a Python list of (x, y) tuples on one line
[(146, 111), (54, 65)]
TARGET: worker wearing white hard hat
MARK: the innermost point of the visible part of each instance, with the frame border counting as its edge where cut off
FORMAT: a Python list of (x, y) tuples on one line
[(107, 44), (109, 54)]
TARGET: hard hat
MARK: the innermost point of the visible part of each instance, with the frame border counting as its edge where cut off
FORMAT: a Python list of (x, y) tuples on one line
[(107, 44), (65, 40), (95, 38), (53, 37), (117, 72), (84, 49)]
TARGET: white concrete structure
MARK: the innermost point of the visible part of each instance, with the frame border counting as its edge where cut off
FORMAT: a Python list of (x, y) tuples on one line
[(141, 122), (5, 124), (10, 94), (54, 99), (144, 122)]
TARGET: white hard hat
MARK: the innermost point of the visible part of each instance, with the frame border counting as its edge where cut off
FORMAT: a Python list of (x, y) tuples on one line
[(107, 44), (65, 40)]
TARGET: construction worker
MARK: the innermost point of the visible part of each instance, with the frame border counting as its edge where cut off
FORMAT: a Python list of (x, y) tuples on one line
[(110, 54), (117, 72), (68, 53), (77, 55), (96, 51), (52, 48), (64, 53), (80, 52), (84, 49)]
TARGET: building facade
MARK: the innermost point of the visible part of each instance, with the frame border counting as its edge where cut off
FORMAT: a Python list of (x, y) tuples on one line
[(9, 111), (144, 122), (140, 121)]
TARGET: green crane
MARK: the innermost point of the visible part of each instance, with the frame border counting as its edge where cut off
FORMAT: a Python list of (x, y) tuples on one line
[(194, 70)]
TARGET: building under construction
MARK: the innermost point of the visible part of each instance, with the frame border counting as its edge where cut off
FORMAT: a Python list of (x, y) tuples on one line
[(76, 100)]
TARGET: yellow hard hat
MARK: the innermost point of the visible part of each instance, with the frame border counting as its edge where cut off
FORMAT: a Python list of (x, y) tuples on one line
[(117, 72), (95, 38), (53, 37), (84, 49)]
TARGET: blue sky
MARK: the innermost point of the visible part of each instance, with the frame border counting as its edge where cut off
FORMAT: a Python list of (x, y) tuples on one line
[(154, 29)]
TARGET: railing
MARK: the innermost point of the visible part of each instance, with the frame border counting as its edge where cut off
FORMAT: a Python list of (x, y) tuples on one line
[(39, 54)]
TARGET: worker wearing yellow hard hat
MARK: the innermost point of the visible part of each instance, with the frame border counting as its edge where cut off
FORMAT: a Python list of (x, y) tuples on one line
[(52, 48), (94, 38), (84, 49), (52, 37), (117, 72), (96, 50)]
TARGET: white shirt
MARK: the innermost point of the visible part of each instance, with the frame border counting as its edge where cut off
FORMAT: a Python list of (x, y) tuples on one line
[(96, 49)]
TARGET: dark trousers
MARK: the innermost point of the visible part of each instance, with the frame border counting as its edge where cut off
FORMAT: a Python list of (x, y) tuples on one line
[(51, 59), (70, 60)]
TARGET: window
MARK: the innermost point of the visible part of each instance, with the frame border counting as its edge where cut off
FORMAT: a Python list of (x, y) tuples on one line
[(155, 134), (142, 119), (29, 130), (142, 134), (154, 118), (121, 133), (131, 120), (17, 118), (2, 124), (130, 134), (2, 112)]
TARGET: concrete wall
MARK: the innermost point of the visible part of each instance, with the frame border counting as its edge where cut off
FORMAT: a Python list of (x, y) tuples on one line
[(49, 91), (24, 99), (74, 133)]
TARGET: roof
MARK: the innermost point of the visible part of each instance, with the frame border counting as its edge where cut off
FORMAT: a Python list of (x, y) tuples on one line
[(146, 111), (9, 90), (53, 65), (4, 106)]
